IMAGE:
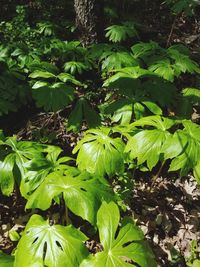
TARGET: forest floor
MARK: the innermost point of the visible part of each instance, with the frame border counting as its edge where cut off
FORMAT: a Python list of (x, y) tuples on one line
[(168, 211)]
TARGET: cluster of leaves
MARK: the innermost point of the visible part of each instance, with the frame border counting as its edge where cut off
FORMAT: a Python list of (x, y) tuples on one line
[(14, 89), (44, 176)]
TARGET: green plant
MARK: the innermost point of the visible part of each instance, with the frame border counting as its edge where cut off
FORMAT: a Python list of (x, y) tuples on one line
[(184, 149), (123, 249), (119, 33), (146, 145), (99, 153), (83, 111), (46, 28), (82, 193), (38, 168), (14, 155), (116, 60), (51, 245), (166, 63), (159, 144), (75, 67), (53, 91), (192, 260), (133, 99), (14, 90)]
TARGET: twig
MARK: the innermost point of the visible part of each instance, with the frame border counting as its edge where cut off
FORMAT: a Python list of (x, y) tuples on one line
[(157, 174), (171, 32)]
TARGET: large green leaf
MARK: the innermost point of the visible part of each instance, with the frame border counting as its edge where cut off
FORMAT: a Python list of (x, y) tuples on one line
[(119, 249), (83, 111), (122, 111), (75, 67), (161, 91), (16, 154), (82, 193), (146, 145), (144, 49), (118, 33), (53, 246), (38, 168), (164, 69), (117, 60), (53, 97), (6, 175), (184, 149), (42, 74), (192, 95), (128, 72), (182, 62), (68, 78), (99, 153)]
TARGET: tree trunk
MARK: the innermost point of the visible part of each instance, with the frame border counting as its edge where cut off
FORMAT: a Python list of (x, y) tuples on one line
[(89, 20)]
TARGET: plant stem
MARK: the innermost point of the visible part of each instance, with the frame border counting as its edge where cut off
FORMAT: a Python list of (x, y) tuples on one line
[(67, 219), (155, 177), (171, 32)]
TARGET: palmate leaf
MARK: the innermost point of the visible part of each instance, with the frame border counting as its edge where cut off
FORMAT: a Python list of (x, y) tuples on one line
[(118, 250), (161, 91), (83, 111), (43, 66), (117, 60), (184, 149), (183, 63), (53, 246), (136, 97), (54, 96), (193, 95), (123, 109), (53, 91), (75, 67), (82, 193), (163, 69), (144, 49), (37, 169), (99, 153), (16, 154), (119, 33), (97, 50), (147, 145), (186, 6), (190, 97), (128, 72)]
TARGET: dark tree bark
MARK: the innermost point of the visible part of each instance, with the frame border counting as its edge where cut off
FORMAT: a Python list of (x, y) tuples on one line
[(89, 20)]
